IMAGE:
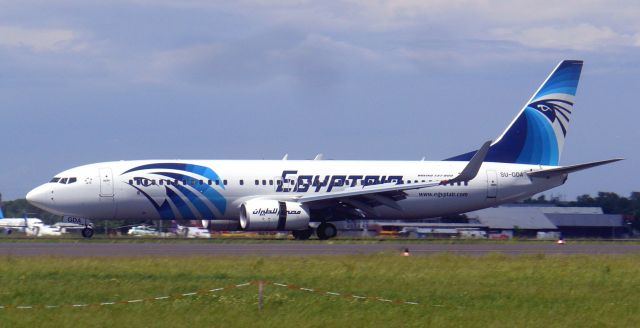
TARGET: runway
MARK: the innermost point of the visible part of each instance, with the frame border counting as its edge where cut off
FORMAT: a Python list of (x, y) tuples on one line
[(93, 249)]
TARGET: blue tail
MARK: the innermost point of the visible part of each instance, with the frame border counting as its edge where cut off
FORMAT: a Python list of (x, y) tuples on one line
[(1, 214), (536, 135)]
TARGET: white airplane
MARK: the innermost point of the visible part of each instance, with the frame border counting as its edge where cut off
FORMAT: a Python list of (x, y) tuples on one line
[(30, 226), (306, 196)]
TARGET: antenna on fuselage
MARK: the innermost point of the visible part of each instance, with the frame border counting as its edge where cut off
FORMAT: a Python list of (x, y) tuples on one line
[(319, 157), (285, 157)]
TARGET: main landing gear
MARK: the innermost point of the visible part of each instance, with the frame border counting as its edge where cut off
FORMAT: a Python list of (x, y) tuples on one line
[(302, 234), (87, 232), (324, 231)]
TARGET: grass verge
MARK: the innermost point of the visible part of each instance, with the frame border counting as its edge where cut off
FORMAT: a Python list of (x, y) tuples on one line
[(453, 291)]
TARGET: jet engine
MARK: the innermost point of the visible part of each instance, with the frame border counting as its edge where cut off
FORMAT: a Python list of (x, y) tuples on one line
[(262, 214)]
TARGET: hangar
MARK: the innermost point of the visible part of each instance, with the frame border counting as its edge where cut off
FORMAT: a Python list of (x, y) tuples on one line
[(515, 220)]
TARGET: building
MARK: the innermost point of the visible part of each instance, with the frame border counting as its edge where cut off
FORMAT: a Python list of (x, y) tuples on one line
[(532, 221), (516, 220)]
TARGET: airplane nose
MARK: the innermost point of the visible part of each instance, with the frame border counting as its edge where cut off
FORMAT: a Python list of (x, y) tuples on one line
[(39, 197)]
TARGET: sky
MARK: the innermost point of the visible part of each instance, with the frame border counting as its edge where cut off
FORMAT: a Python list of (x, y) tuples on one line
[(89, 81)]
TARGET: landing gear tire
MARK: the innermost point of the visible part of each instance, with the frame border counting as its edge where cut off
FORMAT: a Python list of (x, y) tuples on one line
[(87, 232), (326, 231), (302, 234)]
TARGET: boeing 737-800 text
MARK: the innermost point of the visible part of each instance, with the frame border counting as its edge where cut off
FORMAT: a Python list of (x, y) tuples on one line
[(306, 196)]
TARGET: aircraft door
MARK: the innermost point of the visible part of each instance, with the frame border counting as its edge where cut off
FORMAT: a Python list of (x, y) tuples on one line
[(106, 182), (107, 199), (492, 184)]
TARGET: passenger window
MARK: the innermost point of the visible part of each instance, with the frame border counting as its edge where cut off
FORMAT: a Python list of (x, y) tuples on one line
[(72, 180), (209, 182), (217, 182), (201, 182), (257, 182), (224, 182), (264, 182), (242, 182), (63, 181), (271, 182), (161, 182)]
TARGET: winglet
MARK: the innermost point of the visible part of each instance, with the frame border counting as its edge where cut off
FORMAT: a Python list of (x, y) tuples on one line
[(471, 170)]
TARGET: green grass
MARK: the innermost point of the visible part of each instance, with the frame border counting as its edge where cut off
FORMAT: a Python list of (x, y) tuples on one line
[(453, 291)]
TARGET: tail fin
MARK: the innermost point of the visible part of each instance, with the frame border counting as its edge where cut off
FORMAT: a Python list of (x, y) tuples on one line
[(536, 135), (1, 214)]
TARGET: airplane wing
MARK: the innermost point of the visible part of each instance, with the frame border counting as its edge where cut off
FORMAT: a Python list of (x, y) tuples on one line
[(569, 169), (365, 197)]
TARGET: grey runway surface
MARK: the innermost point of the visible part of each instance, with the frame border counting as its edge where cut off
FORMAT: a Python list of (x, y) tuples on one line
[(299, 249)]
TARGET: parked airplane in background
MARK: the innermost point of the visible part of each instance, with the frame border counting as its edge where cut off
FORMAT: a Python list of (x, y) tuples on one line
[(303, 196), (30, 226)]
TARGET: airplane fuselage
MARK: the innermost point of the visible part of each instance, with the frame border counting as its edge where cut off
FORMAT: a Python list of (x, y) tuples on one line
[(215, 189)]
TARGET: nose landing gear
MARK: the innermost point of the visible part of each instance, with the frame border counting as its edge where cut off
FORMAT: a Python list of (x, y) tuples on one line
[(87, 232)]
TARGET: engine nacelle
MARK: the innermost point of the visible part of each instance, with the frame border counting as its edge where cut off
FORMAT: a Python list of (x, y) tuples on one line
[(273, 215)]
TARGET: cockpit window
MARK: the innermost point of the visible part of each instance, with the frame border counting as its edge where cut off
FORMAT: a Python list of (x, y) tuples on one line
[(72, 180), (63, 180), (54, 180)]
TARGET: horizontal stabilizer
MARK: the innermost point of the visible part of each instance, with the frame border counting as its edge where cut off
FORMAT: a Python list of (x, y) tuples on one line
[(570, 169)]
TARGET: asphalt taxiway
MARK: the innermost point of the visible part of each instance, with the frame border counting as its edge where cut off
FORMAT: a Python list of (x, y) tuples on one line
[(93, 249)]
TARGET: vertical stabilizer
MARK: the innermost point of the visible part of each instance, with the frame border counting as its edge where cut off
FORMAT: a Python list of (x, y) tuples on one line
[(536, 135)]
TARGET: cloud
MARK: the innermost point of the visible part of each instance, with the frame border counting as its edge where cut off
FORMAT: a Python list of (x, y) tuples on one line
[(40, 40), (583, 37), (309, 60)]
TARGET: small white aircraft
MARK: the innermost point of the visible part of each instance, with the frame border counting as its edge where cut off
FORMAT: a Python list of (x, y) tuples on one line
[(307, 196), (30, 226)]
